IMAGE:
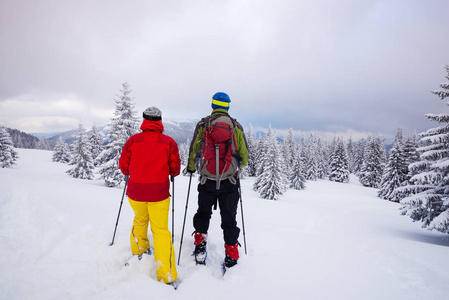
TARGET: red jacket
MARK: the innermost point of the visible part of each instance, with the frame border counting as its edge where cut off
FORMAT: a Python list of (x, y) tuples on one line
[(149, 158)]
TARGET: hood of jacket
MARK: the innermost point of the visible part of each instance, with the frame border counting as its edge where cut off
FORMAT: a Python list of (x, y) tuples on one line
[(152, 126)]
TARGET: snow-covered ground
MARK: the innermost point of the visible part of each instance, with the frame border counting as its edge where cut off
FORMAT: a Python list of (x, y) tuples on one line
[(330, 241)]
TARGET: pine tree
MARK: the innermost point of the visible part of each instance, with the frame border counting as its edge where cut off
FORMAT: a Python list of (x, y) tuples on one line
[(322, 159), (251, 167), (81, 157), (445, 86), (302, 152), (351, 155), (184, 152), (297, 177), (339, 163), (289, 150), (395, 172), (359, 153), (430, 201), (96, 143), (122, 126), (373, 164), (272, 182), (261, 152), (8, 155), (61, 153), (312, 159), (411, 155), (44, 144)]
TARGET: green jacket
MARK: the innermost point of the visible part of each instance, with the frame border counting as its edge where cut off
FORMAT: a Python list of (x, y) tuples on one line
[(197, 141)]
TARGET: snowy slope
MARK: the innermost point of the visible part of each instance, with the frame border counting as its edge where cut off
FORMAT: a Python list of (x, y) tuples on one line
[(330, 241)]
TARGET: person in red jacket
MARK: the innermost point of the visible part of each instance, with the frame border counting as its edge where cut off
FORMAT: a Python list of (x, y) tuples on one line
[(149, 158)]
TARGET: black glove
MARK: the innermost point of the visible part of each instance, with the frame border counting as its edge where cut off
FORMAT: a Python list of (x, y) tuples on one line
[(187, 171)]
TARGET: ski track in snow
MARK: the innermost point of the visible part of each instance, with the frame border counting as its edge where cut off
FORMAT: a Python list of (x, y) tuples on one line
[(330, 241)]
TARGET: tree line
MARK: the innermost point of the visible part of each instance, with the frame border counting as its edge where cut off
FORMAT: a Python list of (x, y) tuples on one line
[(414, 173)]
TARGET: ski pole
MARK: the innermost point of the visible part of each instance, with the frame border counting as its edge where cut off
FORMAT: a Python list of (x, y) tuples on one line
[(120, 209), (173, 210), (243, 222), (184, 223)]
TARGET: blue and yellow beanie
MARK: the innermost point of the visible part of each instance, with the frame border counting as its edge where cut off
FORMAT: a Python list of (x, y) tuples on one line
[(220, 100)]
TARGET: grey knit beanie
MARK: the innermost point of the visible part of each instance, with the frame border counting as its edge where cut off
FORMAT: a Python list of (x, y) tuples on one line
[(152, 113)]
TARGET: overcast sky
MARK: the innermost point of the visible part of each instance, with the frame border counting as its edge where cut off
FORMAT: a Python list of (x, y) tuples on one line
[(313, 65)]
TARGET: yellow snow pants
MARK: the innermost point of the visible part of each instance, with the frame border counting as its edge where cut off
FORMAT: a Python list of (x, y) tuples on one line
[(155, 213)]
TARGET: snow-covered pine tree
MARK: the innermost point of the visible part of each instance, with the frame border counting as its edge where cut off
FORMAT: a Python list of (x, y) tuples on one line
[(416, 166), (445, 86), (358, 156), (251, 167), (410, 154), (312, 159), (395, 172), (373, 164), (289, 150), (96, 143), (184, 152), (81, 157), (339, 163), (44, 144), (272, 182), (351, 155), (61, 153), (8, 155), (430, 202), (333, 148), (122, 126), (322, 159), (302, 150), (261, 152), (297, 177)]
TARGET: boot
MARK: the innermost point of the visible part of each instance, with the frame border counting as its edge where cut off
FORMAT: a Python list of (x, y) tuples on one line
[(200, 248), (232, 255)]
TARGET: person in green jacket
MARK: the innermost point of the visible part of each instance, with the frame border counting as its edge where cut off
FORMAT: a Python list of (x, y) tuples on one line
[(224, 189)]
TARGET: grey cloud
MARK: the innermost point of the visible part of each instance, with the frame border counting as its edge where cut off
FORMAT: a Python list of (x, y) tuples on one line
[(360, 65)]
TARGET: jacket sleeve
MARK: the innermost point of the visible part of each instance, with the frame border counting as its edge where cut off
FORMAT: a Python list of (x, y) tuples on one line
[(125, 158), (242, 146), (174, 161)]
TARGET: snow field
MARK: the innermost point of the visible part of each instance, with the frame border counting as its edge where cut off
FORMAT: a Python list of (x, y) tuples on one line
[(329, 241)]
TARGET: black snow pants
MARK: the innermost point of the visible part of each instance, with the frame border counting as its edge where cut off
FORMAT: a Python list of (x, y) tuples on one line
[(228, 198)]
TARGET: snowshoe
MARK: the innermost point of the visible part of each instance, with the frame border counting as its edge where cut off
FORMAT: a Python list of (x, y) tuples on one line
[(232, 255), (174, 284), (200, 248), (148, 252), (227, 263), (139, 257), (200, 254)]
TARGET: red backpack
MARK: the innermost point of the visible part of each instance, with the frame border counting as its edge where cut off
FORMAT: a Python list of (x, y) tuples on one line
[(219, 155)]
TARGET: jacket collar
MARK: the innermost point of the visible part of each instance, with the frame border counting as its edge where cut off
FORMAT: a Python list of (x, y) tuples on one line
[(220, 111)]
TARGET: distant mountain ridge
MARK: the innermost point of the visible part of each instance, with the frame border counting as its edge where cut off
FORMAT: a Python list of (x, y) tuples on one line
[(180, 131)]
